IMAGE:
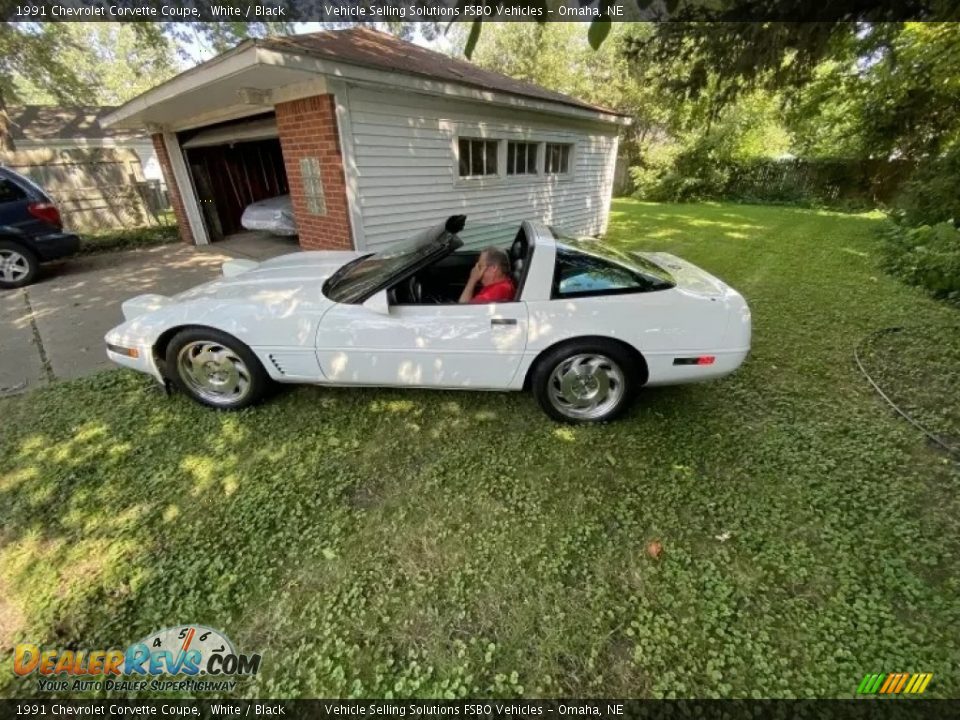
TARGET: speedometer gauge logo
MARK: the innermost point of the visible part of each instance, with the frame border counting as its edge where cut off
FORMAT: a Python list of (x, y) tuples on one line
[(188, 650)]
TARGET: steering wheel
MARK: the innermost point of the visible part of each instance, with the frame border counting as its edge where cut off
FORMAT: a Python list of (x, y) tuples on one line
[(415, 290)]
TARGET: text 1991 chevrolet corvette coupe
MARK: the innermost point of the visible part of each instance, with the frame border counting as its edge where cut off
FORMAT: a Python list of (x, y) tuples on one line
[(588, 326)]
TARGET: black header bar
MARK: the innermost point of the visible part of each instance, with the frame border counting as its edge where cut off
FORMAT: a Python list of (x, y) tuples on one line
[(471, 10)]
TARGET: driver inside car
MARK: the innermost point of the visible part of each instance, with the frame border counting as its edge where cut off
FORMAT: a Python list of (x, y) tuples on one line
[(492, 273)]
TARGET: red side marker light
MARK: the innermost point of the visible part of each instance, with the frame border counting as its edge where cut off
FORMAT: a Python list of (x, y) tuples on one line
[(706, 360)]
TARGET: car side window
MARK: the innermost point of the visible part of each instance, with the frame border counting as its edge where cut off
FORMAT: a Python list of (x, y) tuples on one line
[(580, 275), (9, 192)]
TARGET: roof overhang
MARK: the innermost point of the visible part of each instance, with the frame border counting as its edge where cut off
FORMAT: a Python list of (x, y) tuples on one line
[(249, 80)]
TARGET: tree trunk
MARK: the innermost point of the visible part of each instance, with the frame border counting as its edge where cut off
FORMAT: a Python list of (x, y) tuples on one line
[(6, 132)]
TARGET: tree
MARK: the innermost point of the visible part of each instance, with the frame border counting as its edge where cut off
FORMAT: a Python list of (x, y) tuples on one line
[(37, 51), (110, 61), (59, 62), (901, 99)]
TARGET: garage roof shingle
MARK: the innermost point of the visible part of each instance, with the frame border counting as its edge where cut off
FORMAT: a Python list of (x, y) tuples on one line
[(374, 49)]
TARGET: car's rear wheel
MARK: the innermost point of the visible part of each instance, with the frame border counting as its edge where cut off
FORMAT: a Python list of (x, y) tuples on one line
[(585, 381), (18, 265), (216, 369)]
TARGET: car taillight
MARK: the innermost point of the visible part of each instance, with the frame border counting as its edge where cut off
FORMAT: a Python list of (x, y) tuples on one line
[(45, 211)]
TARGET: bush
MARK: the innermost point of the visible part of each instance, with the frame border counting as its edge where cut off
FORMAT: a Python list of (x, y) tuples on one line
[(932, 195), (696, 175), (112, 240), (927, 256)]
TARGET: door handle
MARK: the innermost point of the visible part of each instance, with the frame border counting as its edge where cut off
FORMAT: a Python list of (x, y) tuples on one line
[(503, 321)]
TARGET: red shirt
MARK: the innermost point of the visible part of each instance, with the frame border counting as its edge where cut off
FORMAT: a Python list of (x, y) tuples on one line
[(502, 291)]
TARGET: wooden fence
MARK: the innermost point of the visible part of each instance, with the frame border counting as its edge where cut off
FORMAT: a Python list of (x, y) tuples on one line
[(94, 188)]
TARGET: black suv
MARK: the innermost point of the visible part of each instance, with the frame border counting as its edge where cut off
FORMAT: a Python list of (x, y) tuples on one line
[(30, 230)]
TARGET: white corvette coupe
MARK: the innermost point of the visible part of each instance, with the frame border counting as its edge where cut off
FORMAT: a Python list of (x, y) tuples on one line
[(588, 326)]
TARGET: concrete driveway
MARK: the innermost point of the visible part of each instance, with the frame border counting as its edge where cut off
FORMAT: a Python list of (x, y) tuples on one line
[(53, 329)]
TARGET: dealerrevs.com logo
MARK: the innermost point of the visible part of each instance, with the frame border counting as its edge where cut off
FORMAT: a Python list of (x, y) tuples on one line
[(186, 652)]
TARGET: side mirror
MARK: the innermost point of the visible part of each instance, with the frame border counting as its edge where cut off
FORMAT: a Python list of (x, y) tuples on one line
[(378, 303)]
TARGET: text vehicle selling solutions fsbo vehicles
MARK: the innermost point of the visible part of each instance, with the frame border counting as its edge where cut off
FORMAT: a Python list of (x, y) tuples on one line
[(588, 326)]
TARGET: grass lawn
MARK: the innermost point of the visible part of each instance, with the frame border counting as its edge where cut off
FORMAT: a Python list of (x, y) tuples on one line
[(416, 543)]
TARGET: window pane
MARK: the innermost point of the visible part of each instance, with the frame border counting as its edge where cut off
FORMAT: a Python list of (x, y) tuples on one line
[(558, 158), (521, 158), (476, 157), (464, 157), (491, 157), (577, 273), (10, 192)]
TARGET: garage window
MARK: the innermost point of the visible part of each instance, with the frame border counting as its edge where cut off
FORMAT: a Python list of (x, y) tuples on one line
[(521, 158), (557, 158), (478, 157)]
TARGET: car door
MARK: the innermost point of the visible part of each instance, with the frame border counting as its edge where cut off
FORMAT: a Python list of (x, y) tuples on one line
[(451, 346)]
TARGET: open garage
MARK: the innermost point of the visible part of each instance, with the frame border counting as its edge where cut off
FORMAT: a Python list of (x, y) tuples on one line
[(231, 166)]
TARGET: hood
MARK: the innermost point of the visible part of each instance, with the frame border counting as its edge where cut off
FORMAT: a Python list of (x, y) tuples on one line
[(296, 273)]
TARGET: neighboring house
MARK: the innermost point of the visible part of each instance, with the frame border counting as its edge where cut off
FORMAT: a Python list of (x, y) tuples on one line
[(79, 127), (374, 138)]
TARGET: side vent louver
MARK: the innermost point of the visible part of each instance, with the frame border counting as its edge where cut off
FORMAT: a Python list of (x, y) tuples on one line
[(278, 366)]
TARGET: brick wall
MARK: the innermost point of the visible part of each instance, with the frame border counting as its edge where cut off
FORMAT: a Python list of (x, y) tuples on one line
[(173, 190), (308, 128)]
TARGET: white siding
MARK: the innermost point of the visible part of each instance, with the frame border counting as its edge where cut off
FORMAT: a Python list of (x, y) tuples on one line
[(404, 148)]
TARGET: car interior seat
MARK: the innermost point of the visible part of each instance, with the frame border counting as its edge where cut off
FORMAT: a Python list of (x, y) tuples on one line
[(518, 259)]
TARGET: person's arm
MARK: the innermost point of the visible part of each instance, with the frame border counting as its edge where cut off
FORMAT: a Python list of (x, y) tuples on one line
[(467, 294)]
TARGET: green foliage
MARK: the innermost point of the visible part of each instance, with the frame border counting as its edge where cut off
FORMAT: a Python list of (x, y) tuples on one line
[(128, 239), (928, 256), (111, 61), (932, 194), (375, 543), (893, 92), (842, 184)]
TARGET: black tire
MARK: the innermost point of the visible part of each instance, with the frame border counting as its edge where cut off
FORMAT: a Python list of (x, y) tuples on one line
[(244, 381), (23, 257), (621, 368)]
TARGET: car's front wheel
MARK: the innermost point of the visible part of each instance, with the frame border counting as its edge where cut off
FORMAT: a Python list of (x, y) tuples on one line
[(585, 382), (18, 265), (216, 369)]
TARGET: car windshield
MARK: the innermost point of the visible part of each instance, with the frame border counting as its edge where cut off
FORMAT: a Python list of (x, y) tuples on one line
[(632, 260), (358, 278)]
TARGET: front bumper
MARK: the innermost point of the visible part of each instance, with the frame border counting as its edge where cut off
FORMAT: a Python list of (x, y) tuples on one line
[(56, 245), (133, 354)]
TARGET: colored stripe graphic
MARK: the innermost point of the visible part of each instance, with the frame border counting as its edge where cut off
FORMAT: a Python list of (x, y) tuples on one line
[(887, 683), (894, 683), (903, 680)]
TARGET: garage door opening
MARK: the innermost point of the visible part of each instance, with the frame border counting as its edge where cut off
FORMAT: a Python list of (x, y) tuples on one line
[(233, 165)]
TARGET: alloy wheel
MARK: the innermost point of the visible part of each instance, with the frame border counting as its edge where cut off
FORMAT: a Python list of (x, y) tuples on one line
[(586, 386)]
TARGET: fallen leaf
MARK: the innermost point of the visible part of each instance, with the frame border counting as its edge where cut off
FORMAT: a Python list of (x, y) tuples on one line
[(655, 549)]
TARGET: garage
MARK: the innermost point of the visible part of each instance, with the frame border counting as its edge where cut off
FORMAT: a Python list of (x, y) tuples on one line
[(373, 138), (232, 165)]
